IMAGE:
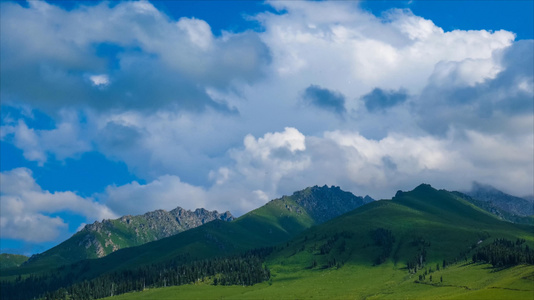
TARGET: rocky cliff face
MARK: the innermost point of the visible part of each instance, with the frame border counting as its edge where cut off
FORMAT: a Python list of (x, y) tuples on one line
[(324, 203)]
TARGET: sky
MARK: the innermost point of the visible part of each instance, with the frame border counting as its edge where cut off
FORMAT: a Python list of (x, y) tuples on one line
[(117, 108)]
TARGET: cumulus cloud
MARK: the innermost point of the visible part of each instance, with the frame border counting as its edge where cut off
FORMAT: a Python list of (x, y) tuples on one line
[(66, 140), (157, 62), (27, 210), (262, 164), (352, 50), (378, 167), (166, 192), (494, 105)]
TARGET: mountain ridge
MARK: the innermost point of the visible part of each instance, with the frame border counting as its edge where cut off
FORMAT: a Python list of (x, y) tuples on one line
[(99, 239), (511, 204), (276, 221)]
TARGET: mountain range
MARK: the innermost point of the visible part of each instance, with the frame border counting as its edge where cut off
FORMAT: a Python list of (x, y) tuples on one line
[(102, 238), (312, 241)]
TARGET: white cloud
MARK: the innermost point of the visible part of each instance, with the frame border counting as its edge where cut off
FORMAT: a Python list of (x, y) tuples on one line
[(27, 210), (166, 192), (99, 80), (47, 52), (68, 139), (375, 167), (354, 47), (198, 31)]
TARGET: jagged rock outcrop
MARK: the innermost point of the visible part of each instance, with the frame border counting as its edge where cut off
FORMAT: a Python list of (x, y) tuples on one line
[(107, 236), (102, 238), (324, 203)]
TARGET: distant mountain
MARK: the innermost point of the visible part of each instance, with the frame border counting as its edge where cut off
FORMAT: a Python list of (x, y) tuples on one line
[(102, 238), (498, 199), (490, 207), (11, 260)]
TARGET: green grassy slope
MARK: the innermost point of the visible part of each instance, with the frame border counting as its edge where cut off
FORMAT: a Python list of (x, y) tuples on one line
[(445, 225), (363, 282), (338, 259), (275, 222), (11, 260)]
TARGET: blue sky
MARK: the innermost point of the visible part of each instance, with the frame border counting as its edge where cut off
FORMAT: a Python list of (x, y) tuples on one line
[(121, 108)]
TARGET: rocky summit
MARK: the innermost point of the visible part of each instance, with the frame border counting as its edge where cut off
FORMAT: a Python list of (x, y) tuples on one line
[(324, 203), (102, 238)]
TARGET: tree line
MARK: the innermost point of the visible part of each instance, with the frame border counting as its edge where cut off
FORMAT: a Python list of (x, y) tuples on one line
[(245, 269), (504, 253)]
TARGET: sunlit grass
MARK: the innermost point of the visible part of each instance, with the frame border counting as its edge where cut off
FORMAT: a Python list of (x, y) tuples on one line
[(365, 282)]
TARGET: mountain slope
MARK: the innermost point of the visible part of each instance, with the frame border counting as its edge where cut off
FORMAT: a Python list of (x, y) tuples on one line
[(102, 238), (502, 214), (275, 222), (435, 224), (511, 204), (11, 260)]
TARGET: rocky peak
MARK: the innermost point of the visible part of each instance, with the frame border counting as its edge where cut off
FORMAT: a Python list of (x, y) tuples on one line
[(108, 236), (324, 203)]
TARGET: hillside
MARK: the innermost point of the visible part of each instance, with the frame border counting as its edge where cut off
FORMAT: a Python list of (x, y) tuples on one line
[(419, 245), (102, 238), (383, 249), (275, 222), (502, 214), (11, 260), (438, 222)]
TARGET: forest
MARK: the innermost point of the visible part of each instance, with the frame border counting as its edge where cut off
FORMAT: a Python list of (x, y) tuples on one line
[(245, 269)]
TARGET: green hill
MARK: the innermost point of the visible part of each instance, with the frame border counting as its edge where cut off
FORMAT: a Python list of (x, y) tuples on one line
[(11, 260), (438, 223), (501, 213), (419, 245)]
